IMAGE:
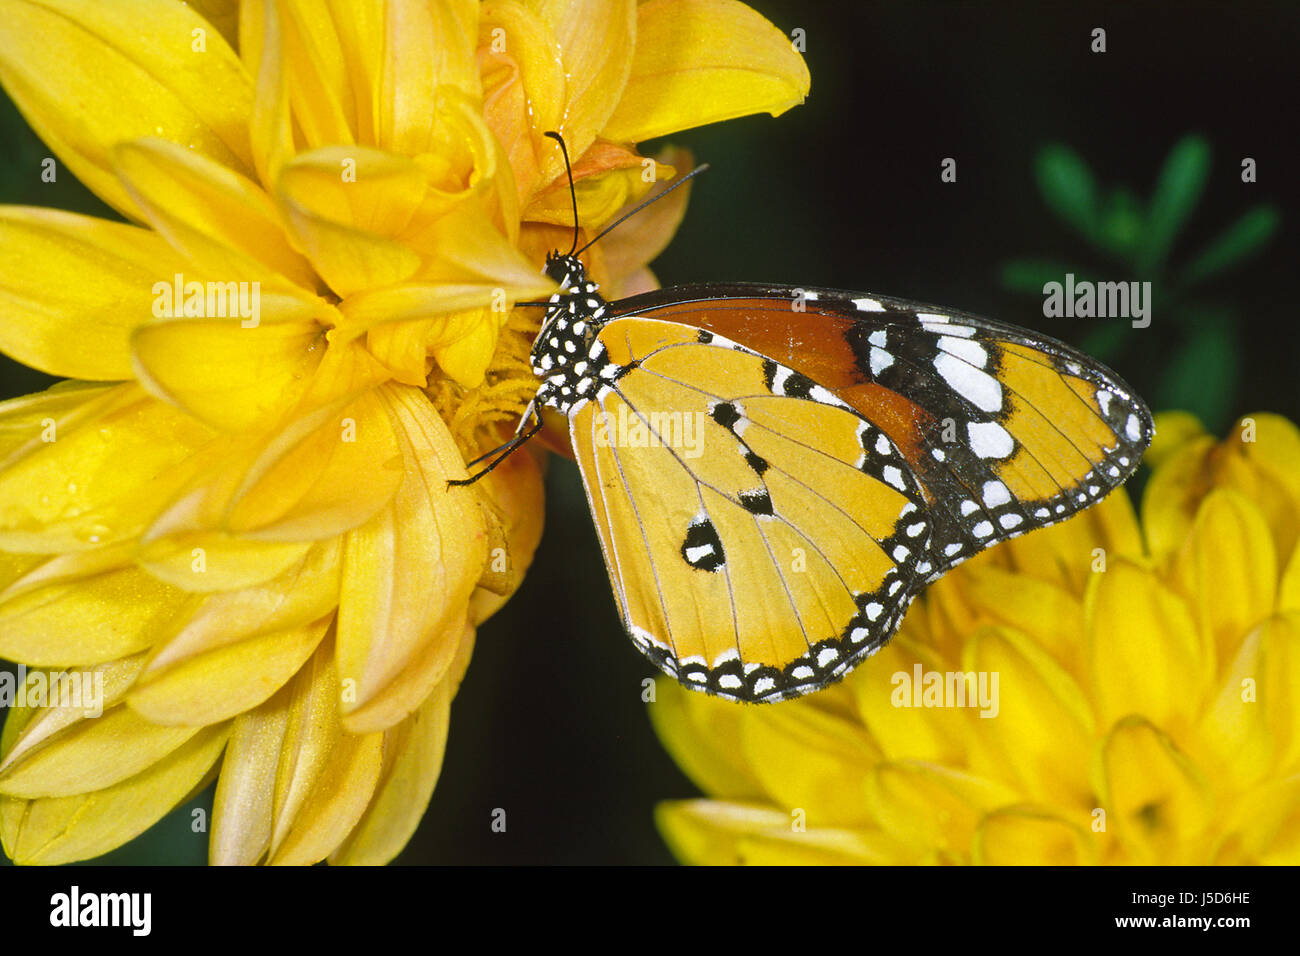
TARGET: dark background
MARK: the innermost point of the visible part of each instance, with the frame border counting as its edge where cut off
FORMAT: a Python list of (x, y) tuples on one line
[(845, 192)]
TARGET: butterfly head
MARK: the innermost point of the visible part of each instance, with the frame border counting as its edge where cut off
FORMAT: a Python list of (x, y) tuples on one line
[(566, 269)]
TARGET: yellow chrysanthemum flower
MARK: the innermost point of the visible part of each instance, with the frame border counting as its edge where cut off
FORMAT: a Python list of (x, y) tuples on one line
[(1131, 695), (234, 521)]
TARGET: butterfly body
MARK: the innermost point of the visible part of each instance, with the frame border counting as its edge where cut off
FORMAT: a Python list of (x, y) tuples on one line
[(844, 451)]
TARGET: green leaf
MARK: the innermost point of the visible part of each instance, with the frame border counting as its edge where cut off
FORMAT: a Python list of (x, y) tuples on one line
[(1177, 192), (1067, 186), (1121, 223), (1242, 239), (1202, 377), (1030, 275)]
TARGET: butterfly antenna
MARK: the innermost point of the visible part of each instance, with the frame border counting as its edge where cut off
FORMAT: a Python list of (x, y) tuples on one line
[(573, 193), (641, 205)]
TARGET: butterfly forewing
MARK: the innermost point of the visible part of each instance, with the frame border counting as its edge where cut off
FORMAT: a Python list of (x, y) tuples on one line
[(1007, 430)]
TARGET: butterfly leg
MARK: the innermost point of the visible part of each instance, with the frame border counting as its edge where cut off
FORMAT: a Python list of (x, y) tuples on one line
[(505, 450)]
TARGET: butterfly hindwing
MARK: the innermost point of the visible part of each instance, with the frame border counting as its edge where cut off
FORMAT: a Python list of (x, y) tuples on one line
[(761, 535)]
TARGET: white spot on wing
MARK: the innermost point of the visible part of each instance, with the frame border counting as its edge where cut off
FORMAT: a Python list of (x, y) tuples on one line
[(990, 440), (880, 360), (819, 394), (697, 554), (976, 386), (966, 349), (996, 493), (1133, 428), (868, 305)]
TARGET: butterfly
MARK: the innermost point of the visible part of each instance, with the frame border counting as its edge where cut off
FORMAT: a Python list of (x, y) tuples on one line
[(775, 473)]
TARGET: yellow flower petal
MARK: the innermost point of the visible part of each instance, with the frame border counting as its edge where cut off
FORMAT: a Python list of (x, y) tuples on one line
[(1288, 590), (263, 45), (65, 829), (1235, 732), (59, 52), (222, 14), (409, 572), (515, 508), (86, 607), (302, 484), (347, 207), (84, 467), (928, 805), (343, 791), (434, 663), (325, 776), (244, 806), (1271, 476), (1173, 431), (1156, 800), (220, 219), (1227, 570), (717, 832), (315, 70), (1276, 450), (523, 87), (1147, 655), (1051, 614), (426, 46), (413, 752), (447, 303), (91, 755), (1025, 836), (305, 593), (1254, 723), (809, 759), (224, 681), (230, 376), (905, 732), (606, 178), (466, 359), (1042, 720), (704, 61), (1171, 496), (205, 561), (72, 288), (702, 735), (1268, 820), (68, 698), (597, 40), (638, 242)]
